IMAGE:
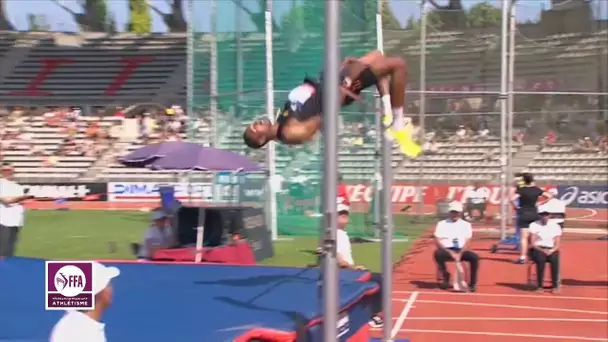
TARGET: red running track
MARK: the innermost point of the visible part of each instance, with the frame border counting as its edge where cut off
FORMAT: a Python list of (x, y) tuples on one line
[(502, 310)]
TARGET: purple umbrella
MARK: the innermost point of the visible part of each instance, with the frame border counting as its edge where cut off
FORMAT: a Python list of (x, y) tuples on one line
[(147, 154), (185, 156)]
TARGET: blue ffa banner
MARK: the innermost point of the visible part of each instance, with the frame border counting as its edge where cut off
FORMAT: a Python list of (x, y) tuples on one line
[(584, 196)]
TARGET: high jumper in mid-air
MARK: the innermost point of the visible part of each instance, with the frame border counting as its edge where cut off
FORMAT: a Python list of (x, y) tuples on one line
[(301, 116)]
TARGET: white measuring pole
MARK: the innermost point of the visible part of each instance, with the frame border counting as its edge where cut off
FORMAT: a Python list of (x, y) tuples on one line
[(271, 196)]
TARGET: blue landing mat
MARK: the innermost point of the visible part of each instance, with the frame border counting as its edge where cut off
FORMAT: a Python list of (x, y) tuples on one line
[(186, 303)]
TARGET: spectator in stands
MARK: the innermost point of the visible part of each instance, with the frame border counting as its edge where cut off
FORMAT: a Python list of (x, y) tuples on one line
[(452, 237), (470, 134), (93, 131), (23, 140), (119, 113), (71, 128), (158, 236), (430, 147), (12, 196), (550, 138), (461, 134), (73, 115), (545, 238), (603, 145), (585, 145), (78, 325), (519, 136), (346, 260), (483, 133), (7, 141)]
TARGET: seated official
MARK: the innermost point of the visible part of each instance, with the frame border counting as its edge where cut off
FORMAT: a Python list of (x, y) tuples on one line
[(545, 239), (452, 237), (345, 260), (158, 236)]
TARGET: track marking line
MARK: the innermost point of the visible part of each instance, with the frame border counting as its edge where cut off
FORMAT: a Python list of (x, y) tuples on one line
[(527, 319), (539, 308), (403, 315), (592, 213), (462, 332), (554, 297)]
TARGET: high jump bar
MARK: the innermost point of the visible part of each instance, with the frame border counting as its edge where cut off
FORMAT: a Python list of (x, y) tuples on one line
[(483, 92)]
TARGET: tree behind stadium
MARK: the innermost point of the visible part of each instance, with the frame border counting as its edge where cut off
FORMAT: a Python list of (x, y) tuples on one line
[(94, 16), (174, 20), (140, 20)]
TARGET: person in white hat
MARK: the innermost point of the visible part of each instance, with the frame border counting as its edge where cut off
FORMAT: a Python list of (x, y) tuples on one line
[(346, 260), (545, 237), (556, 208), (452, 237), (158, 236), (86, 325)]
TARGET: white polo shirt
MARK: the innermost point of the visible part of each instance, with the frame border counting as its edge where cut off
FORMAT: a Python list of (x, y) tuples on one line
[(545, 233), (11, 215), (453, 234), (343, 246), (76, 326), (155, 237)]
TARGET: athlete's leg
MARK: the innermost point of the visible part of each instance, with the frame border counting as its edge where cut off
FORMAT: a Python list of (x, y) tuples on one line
[(382, 67), (396, 69)]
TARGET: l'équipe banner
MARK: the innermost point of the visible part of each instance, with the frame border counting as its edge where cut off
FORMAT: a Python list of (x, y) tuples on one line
[(148, 192), (584, 196), (427, 194), (72, 192)]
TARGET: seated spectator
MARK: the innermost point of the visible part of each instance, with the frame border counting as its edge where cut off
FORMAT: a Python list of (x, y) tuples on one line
[(470, 134), (71, 129), (452, 237), (346, 260), (158, 236), (430, 147), (585, 145), (24, 140), (483, 134), (519, 137), (603, 145), (93, 130), (545, 237), (461, 134), (52, 118), (7, 141)]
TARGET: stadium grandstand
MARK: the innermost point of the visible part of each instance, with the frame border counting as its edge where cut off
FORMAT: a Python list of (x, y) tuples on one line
[(78, 101)]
